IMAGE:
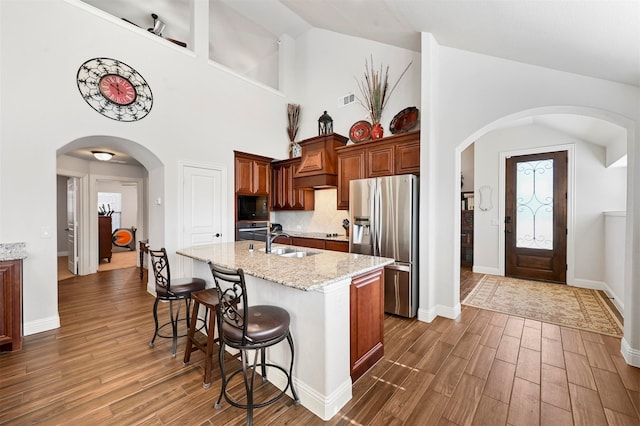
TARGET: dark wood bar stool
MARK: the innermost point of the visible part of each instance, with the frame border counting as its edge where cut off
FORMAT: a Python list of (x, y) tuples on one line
[(209, 299), (246, 328), (171, 290)]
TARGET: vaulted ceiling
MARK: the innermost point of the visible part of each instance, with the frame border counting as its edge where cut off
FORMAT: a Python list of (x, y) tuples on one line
[(596, 38)]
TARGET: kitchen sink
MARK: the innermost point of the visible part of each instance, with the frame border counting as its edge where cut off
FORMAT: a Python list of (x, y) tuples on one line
[(300, 253), (294, 252)]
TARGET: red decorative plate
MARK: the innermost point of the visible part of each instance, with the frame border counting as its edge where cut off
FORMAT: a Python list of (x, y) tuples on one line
[(405, 120), (360, 131)]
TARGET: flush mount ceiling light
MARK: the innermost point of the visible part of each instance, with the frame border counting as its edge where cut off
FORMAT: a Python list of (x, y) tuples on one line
[(102, 155)]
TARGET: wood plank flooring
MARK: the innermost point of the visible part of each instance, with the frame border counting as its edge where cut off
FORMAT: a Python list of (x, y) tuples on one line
[(483, 368)]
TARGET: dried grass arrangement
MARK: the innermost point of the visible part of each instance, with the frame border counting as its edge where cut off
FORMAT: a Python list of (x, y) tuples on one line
[(293, 119), (375, 89)]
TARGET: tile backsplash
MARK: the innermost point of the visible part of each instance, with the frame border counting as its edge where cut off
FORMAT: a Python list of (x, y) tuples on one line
[(325, 217)]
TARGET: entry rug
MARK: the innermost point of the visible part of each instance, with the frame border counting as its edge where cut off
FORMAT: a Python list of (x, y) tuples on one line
[(554, 303)]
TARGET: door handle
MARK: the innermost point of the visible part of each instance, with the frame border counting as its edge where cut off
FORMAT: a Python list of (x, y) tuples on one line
[(218, 235)]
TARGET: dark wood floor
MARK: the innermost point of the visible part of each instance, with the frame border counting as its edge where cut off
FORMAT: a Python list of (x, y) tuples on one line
[(482, 368)]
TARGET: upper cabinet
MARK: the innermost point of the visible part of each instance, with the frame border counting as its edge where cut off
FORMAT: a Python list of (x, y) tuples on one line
[(318, 164), (394, 155), (253, 174), (283, 194)]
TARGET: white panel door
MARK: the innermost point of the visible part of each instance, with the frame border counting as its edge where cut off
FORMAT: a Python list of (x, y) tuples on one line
[(72, 220), (202, 205)]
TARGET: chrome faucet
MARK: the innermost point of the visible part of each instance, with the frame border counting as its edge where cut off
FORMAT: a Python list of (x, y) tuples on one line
[(270, 238)]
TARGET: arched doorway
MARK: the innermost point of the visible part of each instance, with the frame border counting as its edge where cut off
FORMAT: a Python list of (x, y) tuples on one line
[(580, 270), (132, 166)]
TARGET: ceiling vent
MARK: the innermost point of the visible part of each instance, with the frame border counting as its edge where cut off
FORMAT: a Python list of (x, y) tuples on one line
[(345, 100)]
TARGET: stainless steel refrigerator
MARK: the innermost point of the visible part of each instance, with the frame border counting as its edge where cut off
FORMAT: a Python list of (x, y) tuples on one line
[(384, 222)]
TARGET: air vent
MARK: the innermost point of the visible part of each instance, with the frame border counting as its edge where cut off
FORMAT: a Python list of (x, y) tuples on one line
[(345, 100)]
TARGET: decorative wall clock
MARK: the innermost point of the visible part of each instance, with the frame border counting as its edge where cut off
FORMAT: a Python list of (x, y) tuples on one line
[(114, 89)]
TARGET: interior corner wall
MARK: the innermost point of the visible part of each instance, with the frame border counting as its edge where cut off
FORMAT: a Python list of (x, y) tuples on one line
[(597, 189)]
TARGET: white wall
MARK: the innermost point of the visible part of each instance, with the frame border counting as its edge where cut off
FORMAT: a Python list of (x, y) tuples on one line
[(327, 65), (200, 114), (596, 189), (475, 94), (325, 218), (614, 226)]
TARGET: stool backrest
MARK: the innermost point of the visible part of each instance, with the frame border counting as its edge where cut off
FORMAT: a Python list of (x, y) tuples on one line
[(232, 293), (161, 272)]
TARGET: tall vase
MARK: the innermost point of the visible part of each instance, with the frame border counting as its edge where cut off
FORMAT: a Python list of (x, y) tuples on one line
[(377, 131)]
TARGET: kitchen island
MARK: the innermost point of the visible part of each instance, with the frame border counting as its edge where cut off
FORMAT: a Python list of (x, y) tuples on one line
[(335, 301)]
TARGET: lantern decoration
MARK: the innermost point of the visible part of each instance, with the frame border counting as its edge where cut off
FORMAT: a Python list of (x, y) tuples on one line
[(325, 124)]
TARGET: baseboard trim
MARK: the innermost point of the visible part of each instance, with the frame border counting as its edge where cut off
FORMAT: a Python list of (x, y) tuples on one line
[(631, 355), (486, 270), (321, 406), (439, 311), (40, 325)]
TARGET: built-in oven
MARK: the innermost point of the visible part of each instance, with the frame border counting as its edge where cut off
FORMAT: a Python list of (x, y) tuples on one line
[(251, 230)]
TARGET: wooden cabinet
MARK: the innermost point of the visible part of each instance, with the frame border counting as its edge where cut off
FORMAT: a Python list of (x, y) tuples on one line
[(252, 174), (380, 160), (283, 194), (342, 246), (466, 238), (105, 241), (394, 155), (334, 245), (367, 321), (10, 305), (308, 242), (407, 158), (350, 166)]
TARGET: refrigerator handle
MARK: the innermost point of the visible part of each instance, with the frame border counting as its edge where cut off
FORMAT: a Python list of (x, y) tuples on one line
[(378, 222), (374, 217)]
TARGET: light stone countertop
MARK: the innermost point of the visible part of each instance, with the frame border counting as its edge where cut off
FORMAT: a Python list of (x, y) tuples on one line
[(306, 273), (12, 251)]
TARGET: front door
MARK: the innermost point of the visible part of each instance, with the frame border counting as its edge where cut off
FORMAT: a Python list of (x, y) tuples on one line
[(536, 216)]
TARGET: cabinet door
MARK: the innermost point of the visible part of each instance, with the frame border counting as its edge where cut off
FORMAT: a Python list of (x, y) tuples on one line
[(407, 158), (10, 305), (278, 188), (367, 321), (244, 175), (261, 178), (301, 199), (342, 246), (380, 161), (308, 242), (350, 166)]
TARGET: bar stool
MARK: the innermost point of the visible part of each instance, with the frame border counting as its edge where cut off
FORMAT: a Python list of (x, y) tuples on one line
[(244, 328), (171, 290), (209, 299)]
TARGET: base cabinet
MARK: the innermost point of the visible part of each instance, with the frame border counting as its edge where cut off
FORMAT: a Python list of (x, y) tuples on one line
[(10, 305), (367, 321), (342, 246)]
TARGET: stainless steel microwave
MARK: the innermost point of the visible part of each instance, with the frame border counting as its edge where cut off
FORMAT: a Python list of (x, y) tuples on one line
[(253, 207)]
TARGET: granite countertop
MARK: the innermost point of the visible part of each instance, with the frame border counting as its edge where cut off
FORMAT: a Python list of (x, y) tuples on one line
[(317, 235), (306, 273), (12, 251)]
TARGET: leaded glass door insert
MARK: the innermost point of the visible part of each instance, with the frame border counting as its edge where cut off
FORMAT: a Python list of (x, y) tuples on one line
[(536, 216)]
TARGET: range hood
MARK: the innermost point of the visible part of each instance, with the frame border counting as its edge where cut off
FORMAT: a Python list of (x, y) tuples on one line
[(319, 163)]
